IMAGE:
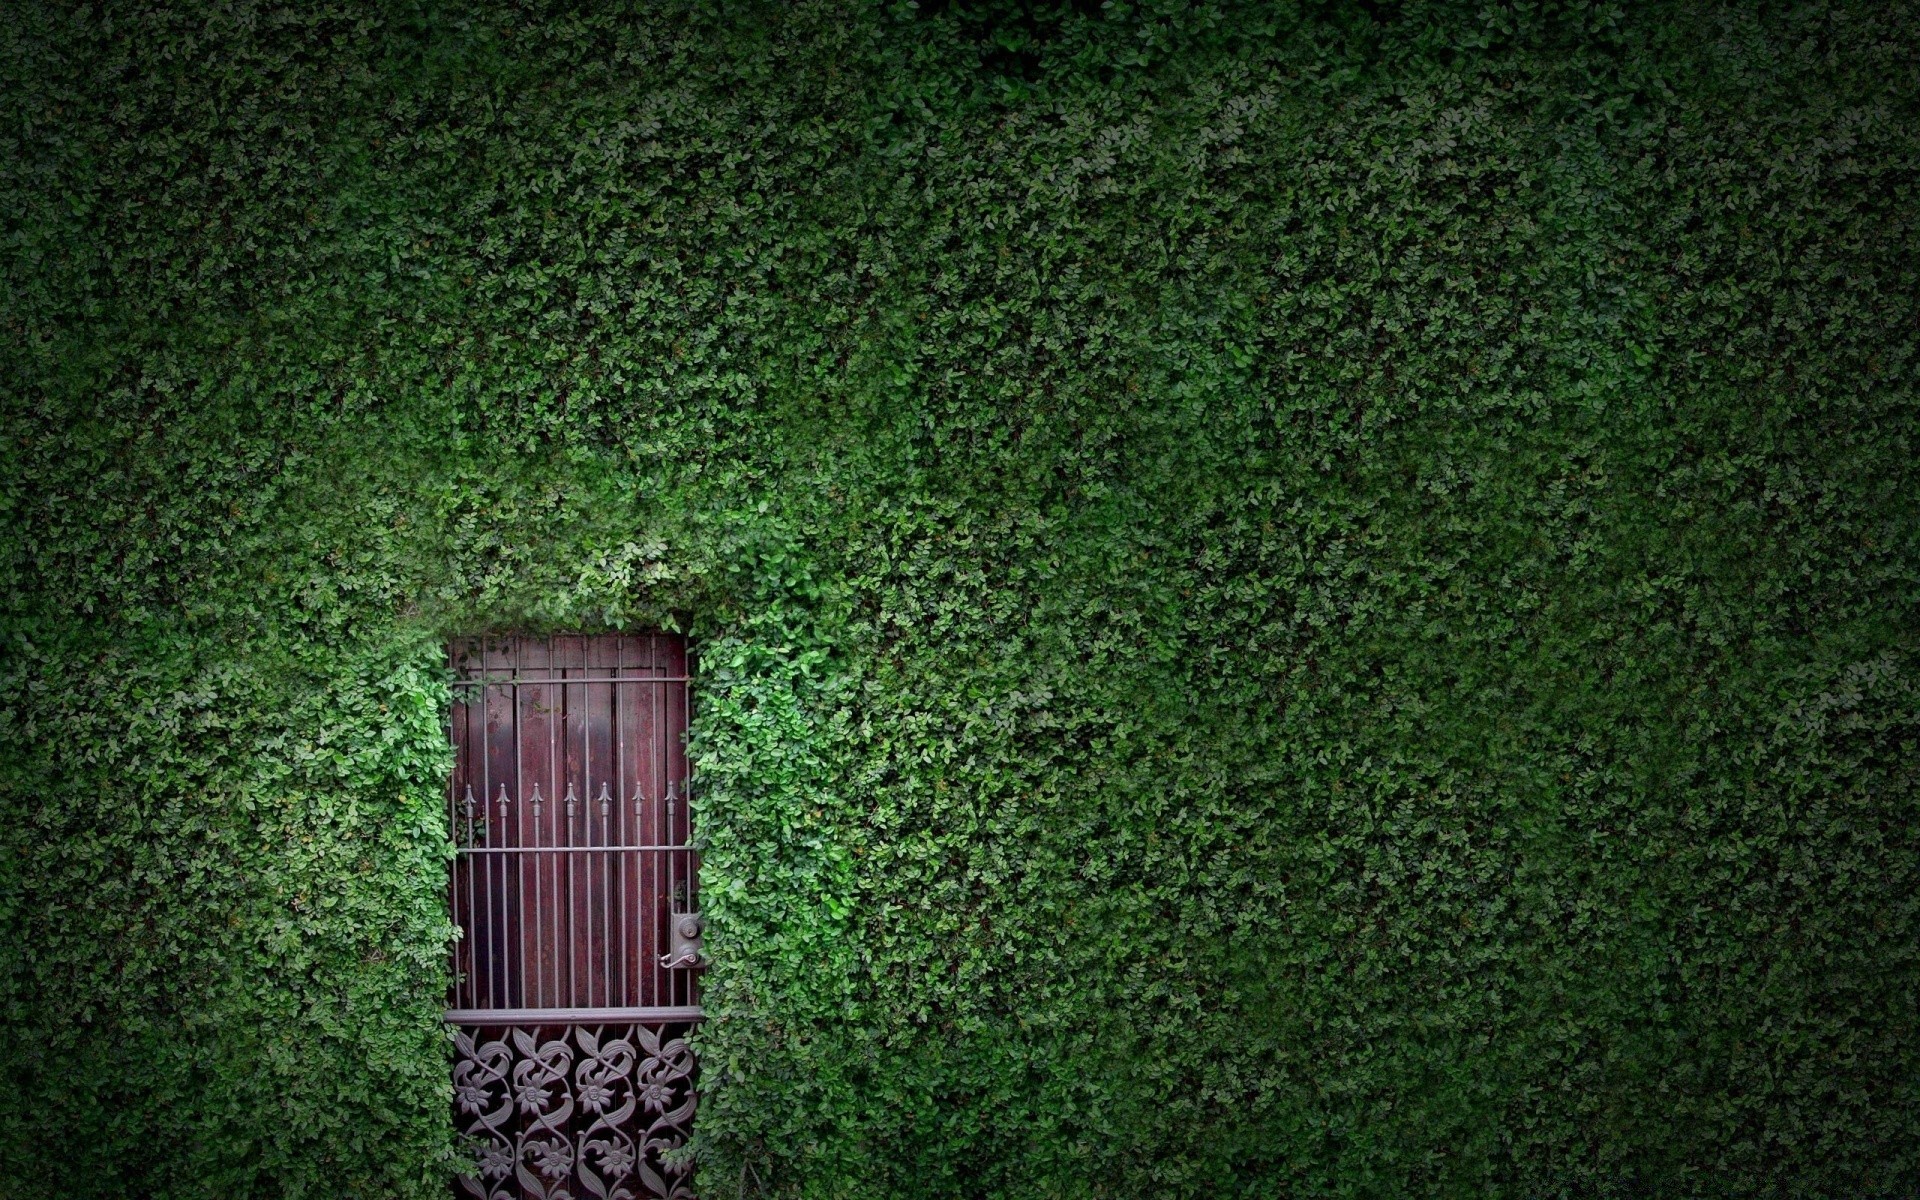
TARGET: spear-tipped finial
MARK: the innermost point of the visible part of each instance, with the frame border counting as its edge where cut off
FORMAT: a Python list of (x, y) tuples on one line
[(467, 804), (606, 801), (571, 801), (538, 800)]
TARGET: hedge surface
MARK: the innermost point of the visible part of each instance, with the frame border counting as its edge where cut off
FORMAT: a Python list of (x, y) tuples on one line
[(1298, 600)]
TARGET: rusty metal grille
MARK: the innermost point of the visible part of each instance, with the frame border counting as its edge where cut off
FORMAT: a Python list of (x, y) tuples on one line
[(575, 887)]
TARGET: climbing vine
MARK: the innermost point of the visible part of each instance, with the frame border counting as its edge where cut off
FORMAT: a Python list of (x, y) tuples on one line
[(1291, 599)]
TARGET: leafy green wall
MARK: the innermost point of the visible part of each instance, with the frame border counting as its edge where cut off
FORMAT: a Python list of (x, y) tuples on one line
[(1314, 600)]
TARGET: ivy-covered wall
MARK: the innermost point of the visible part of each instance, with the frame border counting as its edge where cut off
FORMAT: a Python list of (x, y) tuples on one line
[(1294, 600)]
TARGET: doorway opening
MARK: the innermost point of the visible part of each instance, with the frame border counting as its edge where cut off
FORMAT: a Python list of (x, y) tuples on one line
[(575, 886)]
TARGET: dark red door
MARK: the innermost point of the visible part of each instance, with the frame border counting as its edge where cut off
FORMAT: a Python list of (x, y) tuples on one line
[(575, 889)]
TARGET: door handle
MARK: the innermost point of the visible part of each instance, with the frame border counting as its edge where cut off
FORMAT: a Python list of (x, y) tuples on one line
[(686, 952)]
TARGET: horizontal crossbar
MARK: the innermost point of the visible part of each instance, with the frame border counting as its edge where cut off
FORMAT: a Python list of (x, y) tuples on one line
[(570, 1016), (555, 682), (563, 849)]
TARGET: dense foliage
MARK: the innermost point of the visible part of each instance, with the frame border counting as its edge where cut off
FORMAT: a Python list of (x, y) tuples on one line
[(1301, 600)]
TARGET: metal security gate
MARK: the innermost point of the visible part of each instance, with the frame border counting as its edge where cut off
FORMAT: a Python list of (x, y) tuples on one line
[(574, 887)]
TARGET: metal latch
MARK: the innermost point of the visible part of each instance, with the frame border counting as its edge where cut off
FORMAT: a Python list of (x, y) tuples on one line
[(686, 942)]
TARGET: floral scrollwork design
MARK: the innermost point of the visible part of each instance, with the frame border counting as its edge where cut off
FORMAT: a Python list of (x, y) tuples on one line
[(566, 1112)]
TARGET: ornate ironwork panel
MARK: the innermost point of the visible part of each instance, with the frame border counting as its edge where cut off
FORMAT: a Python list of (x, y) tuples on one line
[(563, 1111), (575, 887)]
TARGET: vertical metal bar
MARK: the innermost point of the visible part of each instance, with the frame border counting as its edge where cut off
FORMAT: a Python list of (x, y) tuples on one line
[(586, 785), (527, 943), (503, 811), (517, 936), (454, 713), (534, 805), (605, 889), (453, 835), (568, 735), (556, 696), (470, 933), (542, 857), (595, 901), (577, 996), (556, 752), (685, 769), (478, 893), (580, 866), (662, 981), (539, 940), (519, 951), (557, 769), (635, 982), (649, 862), (586, 797), (604, 903), (644, 861), (585, 942), (496, 835), (620, 774), (573, 977), (464, 862), (486, 815), (638, 864), (672, 872), (609, 858), (463, 865), (502, 947)]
